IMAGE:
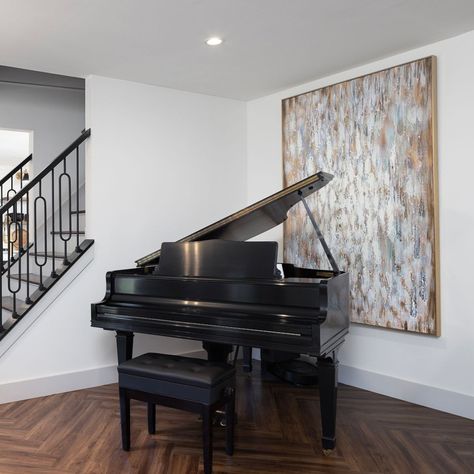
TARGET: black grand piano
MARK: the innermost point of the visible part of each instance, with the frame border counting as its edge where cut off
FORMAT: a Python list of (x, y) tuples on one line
[(215, 287)]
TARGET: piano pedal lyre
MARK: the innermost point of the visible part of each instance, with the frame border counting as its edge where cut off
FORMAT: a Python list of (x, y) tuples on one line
[(219, 419)]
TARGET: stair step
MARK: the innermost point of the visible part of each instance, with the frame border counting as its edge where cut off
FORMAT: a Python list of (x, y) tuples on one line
[(80, 211), (34, 278), (7, 263), (48, 255), (7, 303), (57, 232)]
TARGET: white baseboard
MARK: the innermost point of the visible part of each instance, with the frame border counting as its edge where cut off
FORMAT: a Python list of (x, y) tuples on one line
[(58, 383), (66, 382), (433, 397)]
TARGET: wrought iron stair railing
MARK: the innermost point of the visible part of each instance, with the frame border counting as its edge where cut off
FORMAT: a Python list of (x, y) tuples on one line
[(41, 233)]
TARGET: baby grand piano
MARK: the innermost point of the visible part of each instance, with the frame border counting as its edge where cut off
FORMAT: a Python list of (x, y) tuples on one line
[(214, 287)]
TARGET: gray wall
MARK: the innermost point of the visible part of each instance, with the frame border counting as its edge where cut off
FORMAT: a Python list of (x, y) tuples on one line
[(55, 115)]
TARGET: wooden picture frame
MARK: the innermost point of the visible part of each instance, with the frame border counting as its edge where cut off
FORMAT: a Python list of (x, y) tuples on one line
[(377, 134)]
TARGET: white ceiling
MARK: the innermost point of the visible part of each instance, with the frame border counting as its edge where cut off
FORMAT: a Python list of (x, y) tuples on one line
[(269, 44)]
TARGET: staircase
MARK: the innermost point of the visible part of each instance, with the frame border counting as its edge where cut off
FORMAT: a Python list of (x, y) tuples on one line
[(42, 231)]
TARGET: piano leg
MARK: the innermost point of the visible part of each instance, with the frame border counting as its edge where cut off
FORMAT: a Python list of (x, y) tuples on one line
[(327, 368), (247, 356), (124, 345), (217, 352)]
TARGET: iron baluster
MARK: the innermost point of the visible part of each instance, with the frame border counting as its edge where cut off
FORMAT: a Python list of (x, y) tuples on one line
[(11, 250), (78, 248), (11, 190), (53, 240), (21, 187), (41, 199), (27, 220), (65, 236), (2, 268)]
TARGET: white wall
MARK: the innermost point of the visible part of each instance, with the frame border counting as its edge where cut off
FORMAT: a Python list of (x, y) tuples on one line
[(160, 164), (437, 372), (55, 115)]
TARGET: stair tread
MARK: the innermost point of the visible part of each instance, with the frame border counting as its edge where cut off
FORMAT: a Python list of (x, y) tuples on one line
[(34, 278), (48, 254), (81, 211), (7, 303)]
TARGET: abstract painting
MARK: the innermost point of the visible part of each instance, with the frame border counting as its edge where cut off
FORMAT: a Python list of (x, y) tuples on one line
[(376, 135)]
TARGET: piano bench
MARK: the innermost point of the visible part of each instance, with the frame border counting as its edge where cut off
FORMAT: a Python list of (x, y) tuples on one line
[(179, 382)]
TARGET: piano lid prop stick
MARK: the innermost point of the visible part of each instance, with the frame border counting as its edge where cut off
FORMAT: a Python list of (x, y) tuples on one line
[(319, 234)]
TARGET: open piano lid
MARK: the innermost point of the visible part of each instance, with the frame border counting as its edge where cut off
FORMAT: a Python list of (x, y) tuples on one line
[(254, 219)]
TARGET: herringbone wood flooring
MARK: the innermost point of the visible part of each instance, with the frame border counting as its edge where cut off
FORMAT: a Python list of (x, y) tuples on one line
[(278, 432)]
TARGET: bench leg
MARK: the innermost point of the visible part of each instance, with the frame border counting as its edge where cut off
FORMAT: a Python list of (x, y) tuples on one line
[(230, 423), (207, 438), (151, 418), (125, 419)]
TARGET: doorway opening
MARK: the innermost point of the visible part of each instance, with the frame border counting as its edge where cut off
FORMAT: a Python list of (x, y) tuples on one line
[(15, 146)]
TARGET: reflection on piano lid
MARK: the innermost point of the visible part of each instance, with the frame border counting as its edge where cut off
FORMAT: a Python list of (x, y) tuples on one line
[(254, 219)]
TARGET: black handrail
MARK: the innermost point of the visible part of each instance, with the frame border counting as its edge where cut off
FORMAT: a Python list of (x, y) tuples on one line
[(14, 170), (86, 134)]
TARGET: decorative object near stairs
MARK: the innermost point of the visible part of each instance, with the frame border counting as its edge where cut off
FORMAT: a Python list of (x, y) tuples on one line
[(6, 193), (41, 232)]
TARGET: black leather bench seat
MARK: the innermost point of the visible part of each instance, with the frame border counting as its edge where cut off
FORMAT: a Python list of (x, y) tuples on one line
[(177, 369), (179, 382)]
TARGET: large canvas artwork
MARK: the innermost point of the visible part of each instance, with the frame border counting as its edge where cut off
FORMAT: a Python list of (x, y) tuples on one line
[(376, 135)]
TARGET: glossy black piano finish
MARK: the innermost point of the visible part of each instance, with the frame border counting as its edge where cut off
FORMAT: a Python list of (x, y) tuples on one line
[(293, 314), (215, 288)]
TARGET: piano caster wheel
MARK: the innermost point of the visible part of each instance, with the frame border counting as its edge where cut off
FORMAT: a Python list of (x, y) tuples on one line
[(329, 445)]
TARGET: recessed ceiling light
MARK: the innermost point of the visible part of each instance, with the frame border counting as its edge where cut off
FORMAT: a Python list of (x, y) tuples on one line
[(214, 41)]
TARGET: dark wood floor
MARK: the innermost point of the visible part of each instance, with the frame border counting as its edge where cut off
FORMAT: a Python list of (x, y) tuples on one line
[(278, 432)]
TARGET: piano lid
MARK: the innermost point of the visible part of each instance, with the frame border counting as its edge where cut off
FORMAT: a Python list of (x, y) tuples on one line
[(254, 219)]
